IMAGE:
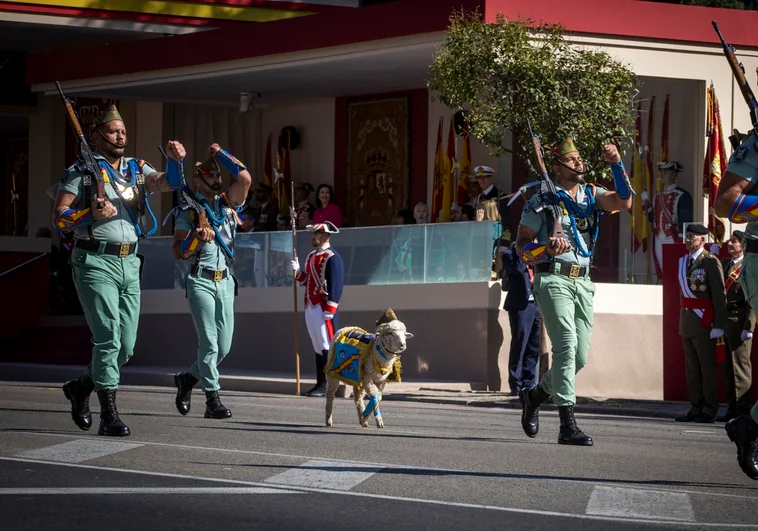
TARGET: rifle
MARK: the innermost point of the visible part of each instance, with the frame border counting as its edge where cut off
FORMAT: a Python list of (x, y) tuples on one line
[(547, 187), (187, 197), (91, 170), (294, 283), (739, 73)]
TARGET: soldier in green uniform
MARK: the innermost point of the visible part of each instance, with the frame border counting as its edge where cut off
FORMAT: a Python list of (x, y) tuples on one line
[(105, 264), (739, 332), (737, 199), (562, 285), (702, 321), (211, 286)]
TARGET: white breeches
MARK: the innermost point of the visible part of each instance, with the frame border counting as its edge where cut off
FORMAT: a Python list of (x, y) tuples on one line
[(318, 329)]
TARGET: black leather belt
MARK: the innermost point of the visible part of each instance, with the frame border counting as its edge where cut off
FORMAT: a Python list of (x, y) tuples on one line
[(216, 275), (562, 268), (115, 249), (734, 306), (751, 245)]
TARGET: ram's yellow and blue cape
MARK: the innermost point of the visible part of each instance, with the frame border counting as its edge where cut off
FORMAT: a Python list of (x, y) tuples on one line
[(350, 347)]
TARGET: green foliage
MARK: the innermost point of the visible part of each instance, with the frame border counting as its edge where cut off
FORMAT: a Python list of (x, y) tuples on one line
[(501, 74)]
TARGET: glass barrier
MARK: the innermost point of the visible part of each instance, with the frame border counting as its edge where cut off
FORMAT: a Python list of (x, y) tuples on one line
[(394, 254)]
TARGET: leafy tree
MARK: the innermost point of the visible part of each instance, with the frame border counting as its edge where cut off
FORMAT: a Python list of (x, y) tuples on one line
[(503, 73)]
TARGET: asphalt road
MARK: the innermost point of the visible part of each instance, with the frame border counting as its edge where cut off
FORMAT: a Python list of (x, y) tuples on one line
[(274, 465)]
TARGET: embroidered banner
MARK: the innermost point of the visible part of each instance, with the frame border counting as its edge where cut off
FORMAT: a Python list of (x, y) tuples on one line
[(378, 160)]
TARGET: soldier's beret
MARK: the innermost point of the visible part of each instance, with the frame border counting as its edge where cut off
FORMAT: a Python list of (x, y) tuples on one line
[(697, 228)]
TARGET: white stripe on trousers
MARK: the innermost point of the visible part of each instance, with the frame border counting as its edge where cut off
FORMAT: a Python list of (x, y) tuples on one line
[(314, 320)]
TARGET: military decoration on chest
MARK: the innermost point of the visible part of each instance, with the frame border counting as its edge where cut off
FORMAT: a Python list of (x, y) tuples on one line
[(698, 280)]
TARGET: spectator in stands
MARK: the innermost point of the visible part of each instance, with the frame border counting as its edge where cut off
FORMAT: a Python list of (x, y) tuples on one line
[(328, 209)]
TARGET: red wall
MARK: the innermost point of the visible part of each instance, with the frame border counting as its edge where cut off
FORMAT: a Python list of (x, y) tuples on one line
[(674, 380)]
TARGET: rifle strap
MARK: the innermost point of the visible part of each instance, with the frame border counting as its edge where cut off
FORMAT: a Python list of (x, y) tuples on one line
[(87, 186)]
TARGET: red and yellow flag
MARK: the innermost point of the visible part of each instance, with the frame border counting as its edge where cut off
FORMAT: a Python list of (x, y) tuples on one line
[(462, 196), (639, 227), (439, 164), (283, 167), (663, 153), (714, 165)]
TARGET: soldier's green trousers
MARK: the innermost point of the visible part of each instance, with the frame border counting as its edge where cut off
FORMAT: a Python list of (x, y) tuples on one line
[(566, 308), (750, 287), (109, 292), (212, 309)]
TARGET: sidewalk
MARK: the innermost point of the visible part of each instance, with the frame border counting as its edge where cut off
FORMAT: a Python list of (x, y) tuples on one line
[(428, 392)]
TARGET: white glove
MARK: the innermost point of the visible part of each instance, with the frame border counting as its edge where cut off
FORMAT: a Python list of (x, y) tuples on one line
[(328, 316), (295, 265), (502, 249), (716, 333), (644, 195), (745, 335)]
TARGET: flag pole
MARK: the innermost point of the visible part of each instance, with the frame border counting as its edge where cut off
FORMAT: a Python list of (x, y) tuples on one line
[(294, 285)]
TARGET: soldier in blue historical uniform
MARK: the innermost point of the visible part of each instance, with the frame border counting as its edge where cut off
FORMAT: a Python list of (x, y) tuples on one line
[(105, 263), (525, 321), (737, 199), (211, 286)]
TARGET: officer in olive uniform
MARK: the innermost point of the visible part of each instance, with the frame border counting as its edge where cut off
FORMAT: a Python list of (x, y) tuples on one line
[(211, 286), (105, 264), (702, 321), (562, 286), (737, 199), (739, 332)]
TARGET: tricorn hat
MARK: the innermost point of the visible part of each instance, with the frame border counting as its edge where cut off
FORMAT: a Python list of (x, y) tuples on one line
[(326, 227), (673, 166), (387, 316), (308, 187), (108, 115)]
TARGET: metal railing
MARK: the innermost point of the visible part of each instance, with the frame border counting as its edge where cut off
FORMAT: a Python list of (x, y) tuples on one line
[(19, 266)]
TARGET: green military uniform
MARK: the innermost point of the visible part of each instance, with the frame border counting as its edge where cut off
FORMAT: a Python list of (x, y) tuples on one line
[(743, 430), (211, 288), (741, 320), (744, 162), (701, 283), (106, 270), (564, 294)]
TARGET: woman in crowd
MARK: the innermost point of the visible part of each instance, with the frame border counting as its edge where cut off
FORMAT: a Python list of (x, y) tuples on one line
[(328, 209)]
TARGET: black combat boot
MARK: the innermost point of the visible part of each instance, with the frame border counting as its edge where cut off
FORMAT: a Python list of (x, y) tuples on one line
[(78, 391), (570, 433), (110, 423), (214, 409), (184, 382), (531, 399), (743, 431), (320, 388)]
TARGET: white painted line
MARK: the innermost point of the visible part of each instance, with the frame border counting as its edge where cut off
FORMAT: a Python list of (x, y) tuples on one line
[(154, 490), (637, 503), (697, 525), (329, 475), (78, 450)]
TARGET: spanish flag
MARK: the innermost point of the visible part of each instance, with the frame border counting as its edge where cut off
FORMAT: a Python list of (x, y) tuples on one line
[(640, 224), (448, 176), (714, 165)]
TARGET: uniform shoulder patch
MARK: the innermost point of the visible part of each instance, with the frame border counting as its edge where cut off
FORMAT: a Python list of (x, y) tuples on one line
[(741, 152)]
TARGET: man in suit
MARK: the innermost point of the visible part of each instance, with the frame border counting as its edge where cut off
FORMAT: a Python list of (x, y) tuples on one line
[(702, 322), (268, 211), (739, 332), (525, 320)]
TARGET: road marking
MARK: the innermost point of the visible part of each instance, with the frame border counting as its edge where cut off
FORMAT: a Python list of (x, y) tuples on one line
[(699, 525), (329, 475), (639, 486), (637, 503), (78, 450), (154, 490)]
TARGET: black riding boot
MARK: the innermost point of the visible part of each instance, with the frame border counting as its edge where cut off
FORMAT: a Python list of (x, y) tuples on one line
[(570, 433), (110, 423), (184, 382), (531, 399), (78, 391), (214, 409), (743, 431), (320, 388)]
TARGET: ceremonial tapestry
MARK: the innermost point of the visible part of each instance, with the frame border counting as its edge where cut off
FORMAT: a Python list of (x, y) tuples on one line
[(86, 110), (16, 187), (378, 160)]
